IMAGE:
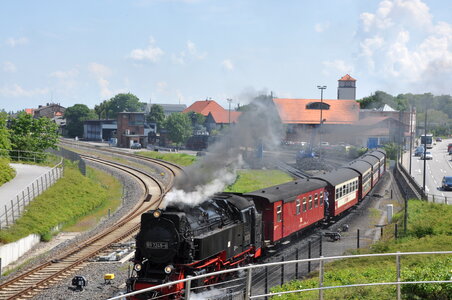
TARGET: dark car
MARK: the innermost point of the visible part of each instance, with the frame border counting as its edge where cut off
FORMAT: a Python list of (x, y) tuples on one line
[(438, 139), (419, 151), (135, 146), (447, 183)]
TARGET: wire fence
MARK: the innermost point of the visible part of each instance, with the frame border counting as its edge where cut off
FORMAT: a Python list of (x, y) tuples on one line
[(253, 281), (14, 209), (439, 198)]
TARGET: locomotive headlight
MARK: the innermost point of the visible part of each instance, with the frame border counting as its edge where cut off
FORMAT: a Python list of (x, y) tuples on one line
[(137, 267), (168, 269), (157, 213)]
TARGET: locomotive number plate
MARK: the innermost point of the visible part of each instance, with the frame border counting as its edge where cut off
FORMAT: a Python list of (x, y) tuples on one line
[(157, 245)]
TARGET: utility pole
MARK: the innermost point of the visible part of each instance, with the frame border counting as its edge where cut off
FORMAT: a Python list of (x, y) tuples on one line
[(425, 144), (411, 135), (229, 101), (321, 88)]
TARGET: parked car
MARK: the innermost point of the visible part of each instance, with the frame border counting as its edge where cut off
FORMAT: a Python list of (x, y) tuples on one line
[(447, 183), (438, 139), (449, 147), (135, 146), (428, 156), (419, 151), (450, 151)]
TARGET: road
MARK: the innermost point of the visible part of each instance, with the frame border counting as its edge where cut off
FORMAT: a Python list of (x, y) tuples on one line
[(439, 166)]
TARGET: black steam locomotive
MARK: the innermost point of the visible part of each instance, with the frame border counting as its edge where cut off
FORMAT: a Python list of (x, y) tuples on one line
[(232, 229)]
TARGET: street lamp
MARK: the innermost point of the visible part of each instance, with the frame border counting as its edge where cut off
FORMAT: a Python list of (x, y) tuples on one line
[(321, 88), (229, 101)]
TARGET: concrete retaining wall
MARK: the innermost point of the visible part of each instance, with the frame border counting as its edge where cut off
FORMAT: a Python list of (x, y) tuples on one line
[(11, 252)]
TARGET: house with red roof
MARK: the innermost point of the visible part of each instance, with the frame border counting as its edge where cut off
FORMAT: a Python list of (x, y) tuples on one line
[(302, 118), (216, 116)]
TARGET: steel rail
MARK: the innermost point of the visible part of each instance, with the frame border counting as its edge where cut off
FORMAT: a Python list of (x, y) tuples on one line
[(47, 273)]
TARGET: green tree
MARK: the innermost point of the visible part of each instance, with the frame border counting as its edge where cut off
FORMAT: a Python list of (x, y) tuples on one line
[(197, 119), (75, 115), (30, 134), (156, 115), (179, 127), (5, 142), (102, 110), (123, 103)]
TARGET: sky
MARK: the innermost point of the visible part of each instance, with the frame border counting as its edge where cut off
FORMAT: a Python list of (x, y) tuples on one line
[(181, 51)]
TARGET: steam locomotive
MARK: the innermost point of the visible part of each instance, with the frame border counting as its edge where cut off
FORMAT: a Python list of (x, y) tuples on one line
[(233, 229)]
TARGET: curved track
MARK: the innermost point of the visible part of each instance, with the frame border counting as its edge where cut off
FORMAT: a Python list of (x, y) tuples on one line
[(32, 281)]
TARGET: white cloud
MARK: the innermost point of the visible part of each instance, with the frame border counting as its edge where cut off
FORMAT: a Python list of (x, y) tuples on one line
[(152, 53), (9, 67), (161, 86), (227, 64), (16, 90), (400, 43), (65, 74), (321, 27), (337, 66), (189, 53), (66, 79), (101, 72), (13, 42)]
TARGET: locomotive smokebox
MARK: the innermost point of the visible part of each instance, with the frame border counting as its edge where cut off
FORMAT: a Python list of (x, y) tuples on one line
[(159, 239)]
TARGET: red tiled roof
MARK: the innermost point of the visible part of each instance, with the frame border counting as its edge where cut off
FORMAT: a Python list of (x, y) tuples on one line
[(223, 117), (204, 107), (293, 111), (29, 111), (219, 114), (347, 78)]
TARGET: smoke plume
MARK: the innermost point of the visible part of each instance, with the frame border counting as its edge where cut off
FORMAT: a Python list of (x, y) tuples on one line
[(258, 126)]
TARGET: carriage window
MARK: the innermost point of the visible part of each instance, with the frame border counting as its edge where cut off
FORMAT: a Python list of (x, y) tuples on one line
[(337, 194), (310, 201), (316, 200), (298, 207), (304, 204), (278, 213), (321, 198)]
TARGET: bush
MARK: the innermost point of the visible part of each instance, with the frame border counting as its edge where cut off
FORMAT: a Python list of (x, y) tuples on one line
[(6, 172), (438, 269)]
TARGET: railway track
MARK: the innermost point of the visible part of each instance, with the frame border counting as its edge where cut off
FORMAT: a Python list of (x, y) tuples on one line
[(30, 283)]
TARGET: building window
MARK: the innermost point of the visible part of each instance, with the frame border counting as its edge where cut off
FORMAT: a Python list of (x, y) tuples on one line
[(298, 207), (318, 105), (279, 214), (310, 202), (304, 204)]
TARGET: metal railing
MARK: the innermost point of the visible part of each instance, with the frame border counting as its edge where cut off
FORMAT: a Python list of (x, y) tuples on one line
[(439, 198), (247, 283), (16, 206)]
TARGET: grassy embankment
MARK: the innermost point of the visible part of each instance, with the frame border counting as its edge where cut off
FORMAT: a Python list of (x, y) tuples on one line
[(74, 199), (177, 158), (6, 172), (251, 180), (247, 180), (429, 229)]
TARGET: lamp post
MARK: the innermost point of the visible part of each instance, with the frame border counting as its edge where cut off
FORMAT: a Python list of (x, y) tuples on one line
[(321, 87), (229, 101), (425, 145)]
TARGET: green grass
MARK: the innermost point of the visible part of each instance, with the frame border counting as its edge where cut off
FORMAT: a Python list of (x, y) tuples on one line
[(177, 158), (6, 172), (251, 180), (73, 197), (429, 229)]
